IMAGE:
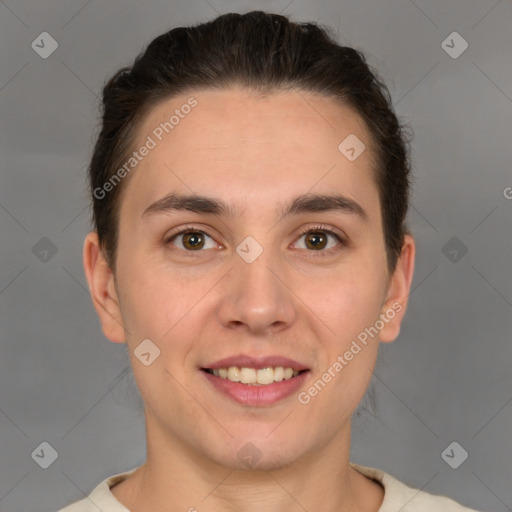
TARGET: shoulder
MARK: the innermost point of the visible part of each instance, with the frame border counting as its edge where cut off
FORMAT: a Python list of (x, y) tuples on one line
[(101, 498), (398, 496)]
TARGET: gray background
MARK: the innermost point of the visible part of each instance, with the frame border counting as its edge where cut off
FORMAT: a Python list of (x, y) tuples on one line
[(446, 378)]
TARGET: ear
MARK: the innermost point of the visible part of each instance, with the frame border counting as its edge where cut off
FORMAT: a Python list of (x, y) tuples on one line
[(393, 309), (103, 291)]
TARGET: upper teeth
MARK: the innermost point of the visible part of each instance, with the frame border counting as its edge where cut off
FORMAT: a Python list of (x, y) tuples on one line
[(254, 376)]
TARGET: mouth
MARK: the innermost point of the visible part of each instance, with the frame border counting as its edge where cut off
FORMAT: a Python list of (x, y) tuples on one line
[(255, 381), (255, 376)]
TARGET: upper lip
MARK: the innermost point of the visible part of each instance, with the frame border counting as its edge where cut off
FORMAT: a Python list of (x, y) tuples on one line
[(245, 361)]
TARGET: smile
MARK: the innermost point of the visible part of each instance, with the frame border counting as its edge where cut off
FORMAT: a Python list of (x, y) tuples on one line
[(254, 376), (247, 391)]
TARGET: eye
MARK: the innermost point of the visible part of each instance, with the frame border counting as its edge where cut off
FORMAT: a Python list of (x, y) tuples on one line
[(316, 239), (190, 239)]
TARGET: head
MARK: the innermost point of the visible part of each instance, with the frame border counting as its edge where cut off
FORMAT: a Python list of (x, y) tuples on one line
[(296, 240)]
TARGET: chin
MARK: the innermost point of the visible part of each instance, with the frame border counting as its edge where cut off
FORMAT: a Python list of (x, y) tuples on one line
[(260, 453)]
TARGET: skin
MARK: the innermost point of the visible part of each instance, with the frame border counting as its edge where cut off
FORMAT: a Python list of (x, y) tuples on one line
[(253, 153)]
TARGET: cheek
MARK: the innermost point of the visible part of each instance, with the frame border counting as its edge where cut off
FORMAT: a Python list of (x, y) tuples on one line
[(161, 304), (349, 300), (350, 306)]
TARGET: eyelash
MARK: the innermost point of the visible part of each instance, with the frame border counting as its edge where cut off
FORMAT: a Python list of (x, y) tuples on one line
[(310, 229)]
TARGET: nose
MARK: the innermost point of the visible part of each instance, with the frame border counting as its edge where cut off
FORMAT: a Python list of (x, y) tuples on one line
[(256, 298)]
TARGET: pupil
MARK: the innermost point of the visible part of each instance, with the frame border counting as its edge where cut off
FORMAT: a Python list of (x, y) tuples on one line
[(192, 240), (318, 236)]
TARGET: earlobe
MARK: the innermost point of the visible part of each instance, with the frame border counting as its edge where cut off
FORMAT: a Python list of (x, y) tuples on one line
[(395, 305), (102, 287)]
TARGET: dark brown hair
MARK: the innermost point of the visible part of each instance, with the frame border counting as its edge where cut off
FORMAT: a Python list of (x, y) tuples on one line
[(264, 52)]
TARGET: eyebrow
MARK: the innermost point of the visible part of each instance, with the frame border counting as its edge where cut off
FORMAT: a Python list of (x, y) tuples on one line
[(305, 203)]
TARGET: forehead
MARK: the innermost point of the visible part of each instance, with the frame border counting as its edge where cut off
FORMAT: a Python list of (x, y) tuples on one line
[(244, 147)]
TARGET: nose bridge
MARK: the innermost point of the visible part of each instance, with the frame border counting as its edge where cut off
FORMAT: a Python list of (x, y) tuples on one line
[(256, 297)]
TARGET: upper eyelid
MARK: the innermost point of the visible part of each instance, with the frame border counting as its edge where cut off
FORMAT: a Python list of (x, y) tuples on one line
[(185, 230), (321, 227)]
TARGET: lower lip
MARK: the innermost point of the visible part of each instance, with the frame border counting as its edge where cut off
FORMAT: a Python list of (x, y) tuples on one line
[(257, 396)]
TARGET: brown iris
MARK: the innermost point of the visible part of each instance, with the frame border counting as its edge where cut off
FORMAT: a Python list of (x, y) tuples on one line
[(194, 238), (316, 240)]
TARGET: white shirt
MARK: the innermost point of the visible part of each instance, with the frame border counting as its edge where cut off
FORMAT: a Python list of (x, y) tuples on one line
[(398, 497)]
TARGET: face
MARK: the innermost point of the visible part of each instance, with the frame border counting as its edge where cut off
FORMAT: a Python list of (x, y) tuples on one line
[(263, 272)]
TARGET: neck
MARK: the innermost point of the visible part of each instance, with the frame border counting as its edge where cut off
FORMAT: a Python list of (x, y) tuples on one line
[(178, 477)]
